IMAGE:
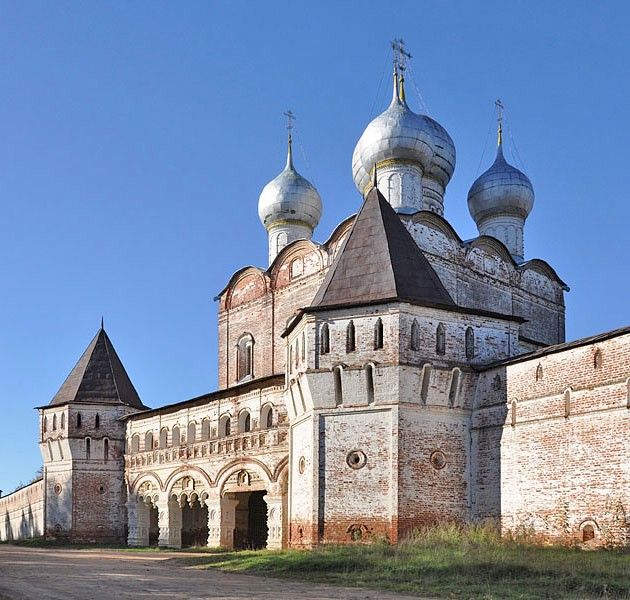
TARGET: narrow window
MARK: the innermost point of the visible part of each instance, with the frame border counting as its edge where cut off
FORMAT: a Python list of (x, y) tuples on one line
[(350, 338), (303, 346), (224, 426), (440, 339), (105, 449), (266, 416), (470, 343), (97, 422), (244, 421), (297, 352), (378, 334), (415, 335), (338, 387), (597, 363), (63, 420), (54, 422), (78, 420), (539, 372), (148, 441), (324, 343), (205, 429), (426, 379), (45, 423), (369, 383), (513, 413), (567, 403), (245, 357), (163, 437), (454, 387), (88, 443), (192, 432), (135, 443), (176, 439)]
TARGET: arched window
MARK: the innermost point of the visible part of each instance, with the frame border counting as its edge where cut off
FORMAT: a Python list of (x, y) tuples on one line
[(567, 403), (470, 343), (176, 436), (454, 387), (378, 334), (205, 429), (192, 432), (415, 335), (105, 449), (338, 386), (440, 339), (45, 423), (369, 383), (588, 533), (97, 421), (244, 421), (350, 338), (597, 360), (135, 443), (163, 437), (224, 425), (63, 420), (281, 241), (513, 413), (297, 352), (78, 420), (303, 346), (245, 357), (324, 339), (426, 379), (88, 449), (539, 372), (266, 416), (50, 454), (54, 423), (148, 441)]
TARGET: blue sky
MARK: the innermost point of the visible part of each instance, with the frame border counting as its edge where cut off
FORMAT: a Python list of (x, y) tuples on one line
[(135, 138)]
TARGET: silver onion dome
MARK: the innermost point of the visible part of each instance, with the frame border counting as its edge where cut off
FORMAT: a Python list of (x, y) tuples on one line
[(400, 134), (501, 190), (289, 198)]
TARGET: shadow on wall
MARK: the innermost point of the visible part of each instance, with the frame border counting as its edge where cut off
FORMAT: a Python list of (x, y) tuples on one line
[(25, 529)]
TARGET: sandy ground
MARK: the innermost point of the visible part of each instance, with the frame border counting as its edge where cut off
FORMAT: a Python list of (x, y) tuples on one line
[(55, 574)]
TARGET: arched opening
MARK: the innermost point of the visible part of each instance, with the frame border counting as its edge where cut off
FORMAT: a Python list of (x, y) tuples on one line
[(63, 420), (266, 416), (224, 425), (324, 342), (338, 386), (205, 429), (567, 403), (148, 441), (245, 357), (251, 521), (440, 339), (369, 383), (303, 346), (194, 522), (415, 335), (105, 449), (470, 343), (513, 413), (424, 388), (54, 423), (88, 448), (350, 337), (163, 437), (244, 421), (378, 334), (176, 436), (135, 443), (588, 533), (453, 392), (45, 423), (154, 527), (97, 421), (192, 432), (539, 372)]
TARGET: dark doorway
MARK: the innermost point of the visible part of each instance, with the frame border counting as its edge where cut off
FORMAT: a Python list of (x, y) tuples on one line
[(154, 529), (194, 525), (251, 521)]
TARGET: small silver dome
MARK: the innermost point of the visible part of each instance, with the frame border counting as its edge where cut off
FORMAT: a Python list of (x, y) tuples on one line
[(501, 190), (289, 197), (400, 134)]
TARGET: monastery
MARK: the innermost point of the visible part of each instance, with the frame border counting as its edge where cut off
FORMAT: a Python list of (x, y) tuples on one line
[(391, 377)]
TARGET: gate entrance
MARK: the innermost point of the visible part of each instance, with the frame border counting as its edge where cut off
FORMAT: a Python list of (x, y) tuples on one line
[(251, 521), (194, 524)]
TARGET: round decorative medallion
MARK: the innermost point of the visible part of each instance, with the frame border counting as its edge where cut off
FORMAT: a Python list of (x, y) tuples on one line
[(58, 488), (356, 459), (356, 534), (438, 460), (302, 465)]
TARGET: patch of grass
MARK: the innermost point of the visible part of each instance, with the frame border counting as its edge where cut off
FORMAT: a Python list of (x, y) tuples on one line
[(449, 562), (60, 543)]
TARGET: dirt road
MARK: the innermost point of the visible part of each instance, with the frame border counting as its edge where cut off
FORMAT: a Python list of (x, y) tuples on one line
[(54, 574)]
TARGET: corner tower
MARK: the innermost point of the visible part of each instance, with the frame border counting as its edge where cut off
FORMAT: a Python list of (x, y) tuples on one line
[(82, 441), (289, 206)]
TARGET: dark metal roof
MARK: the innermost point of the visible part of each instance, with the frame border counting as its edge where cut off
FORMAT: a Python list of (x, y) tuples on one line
[(98, 376), (593, 339), (380, 261)]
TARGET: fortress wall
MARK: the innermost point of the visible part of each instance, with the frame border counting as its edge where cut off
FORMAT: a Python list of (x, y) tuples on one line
[(553, 454), (22, 513)]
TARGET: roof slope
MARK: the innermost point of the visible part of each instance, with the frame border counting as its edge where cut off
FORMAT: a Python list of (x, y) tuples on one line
[(98, 376), (380, 261)]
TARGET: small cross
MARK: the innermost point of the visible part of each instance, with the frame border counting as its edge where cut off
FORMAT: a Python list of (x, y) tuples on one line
[(290, 118), (500, 107), (400, 54)]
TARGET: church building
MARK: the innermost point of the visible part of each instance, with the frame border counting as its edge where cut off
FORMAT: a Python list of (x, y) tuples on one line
[(391, 377)]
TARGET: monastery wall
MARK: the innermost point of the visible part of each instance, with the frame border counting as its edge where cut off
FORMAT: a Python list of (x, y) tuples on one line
[(22, 513), (550, 444)]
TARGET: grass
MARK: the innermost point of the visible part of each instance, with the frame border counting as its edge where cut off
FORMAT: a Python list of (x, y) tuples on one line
[(448, 562)]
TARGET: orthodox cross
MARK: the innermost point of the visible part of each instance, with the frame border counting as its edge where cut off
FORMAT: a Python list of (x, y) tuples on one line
[(400, 54), (290, 118), (499, 106)]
